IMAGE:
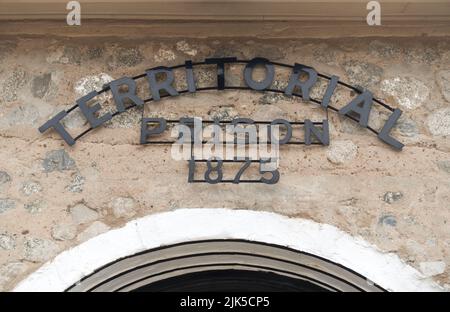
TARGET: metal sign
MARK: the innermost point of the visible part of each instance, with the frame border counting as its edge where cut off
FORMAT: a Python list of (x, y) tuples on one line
[(161, 85)]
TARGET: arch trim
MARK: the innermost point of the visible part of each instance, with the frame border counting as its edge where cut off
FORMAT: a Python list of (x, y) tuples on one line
[(182, 225)]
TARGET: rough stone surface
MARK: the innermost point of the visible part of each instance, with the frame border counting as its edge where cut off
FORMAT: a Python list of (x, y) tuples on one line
[(409, 92), (391, 197), (58, 160), (7, 241), (346, 191), (91, 83), (10, 272), (36, 206), (41, 84), (443, 79), (184, 47), (93, 230), (6, 204), (407, 127), (363, 74), (439, 122), (4, 177), (129, 56), (12, 84), (164, 54), (444, 165), (39, 250), (223, 113), (82, 214), (341, 152), (76, 186), (388, 220), (432, 268), (30, 187), (63, 232), (123, 207)]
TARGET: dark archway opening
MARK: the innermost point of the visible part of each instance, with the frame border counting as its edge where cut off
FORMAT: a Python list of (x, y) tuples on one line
[(231, 281)]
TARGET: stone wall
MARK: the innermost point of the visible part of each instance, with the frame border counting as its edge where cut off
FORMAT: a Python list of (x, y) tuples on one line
[(53, 196)]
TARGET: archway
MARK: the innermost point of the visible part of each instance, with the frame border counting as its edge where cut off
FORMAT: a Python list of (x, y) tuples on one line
[(186, 247)]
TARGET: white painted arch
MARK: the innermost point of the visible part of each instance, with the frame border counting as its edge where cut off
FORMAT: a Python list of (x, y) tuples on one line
[(182, 225)]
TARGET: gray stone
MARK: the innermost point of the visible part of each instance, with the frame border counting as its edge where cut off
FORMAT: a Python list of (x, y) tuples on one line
[(71, 55), (4, 177), (75, 120), (407, 127), (23, 114), (324, 54), (12, 84), (340, 152), (409, 92), (76, 186), (164, 54), (439, 122), (274, 97), (41, 84), (388, 220), (64, 232), (35, 206), (444, 165), (6, 48), (129, 56), (363, 74), (6, 204), (186, 48), (7, 242), (91, 83), (223, 113), (384, 49), (432, 268), (9, 273), (93, 230), (420, 54), (58, 160), (443, 80), (82, 214), (391, 197), (39, 250), (123, 207), (95, 52), (30, 187)]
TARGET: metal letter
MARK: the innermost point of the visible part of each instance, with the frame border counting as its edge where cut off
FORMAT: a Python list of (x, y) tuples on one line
[(89, 111), (305, 86), (248, 71), (156, 86), (220, 69), (329, 92), (288, 135), (119, 97), (55, 124), (145, 131), (322, 136), (190, 77), (363, 111), (384, 133)]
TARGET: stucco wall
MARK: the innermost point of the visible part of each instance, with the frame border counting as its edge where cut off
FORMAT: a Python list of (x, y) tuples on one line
[(53, 196)]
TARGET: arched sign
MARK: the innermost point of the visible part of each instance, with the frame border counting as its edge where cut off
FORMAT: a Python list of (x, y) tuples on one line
[(299, 84), (358, 109)]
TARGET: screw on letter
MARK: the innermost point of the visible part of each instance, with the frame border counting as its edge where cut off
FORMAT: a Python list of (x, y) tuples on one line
[(374, 16), (74, 16)]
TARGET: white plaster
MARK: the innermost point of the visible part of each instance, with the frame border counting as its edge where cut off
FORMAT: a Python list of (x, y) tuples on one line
[(385, 269)]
